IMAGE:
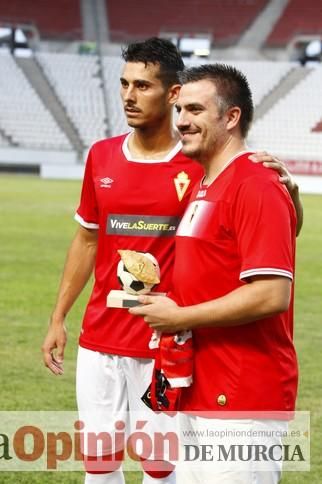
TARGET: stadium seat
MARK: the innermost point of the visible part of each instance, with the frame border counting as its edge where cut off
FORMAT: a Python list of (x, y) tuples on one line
[(287, 128), (23, 117), (61, 18), (226, 21), (299, 17), (291, 128), (263, 76), (3, 141), (78, 85), (112, 67)]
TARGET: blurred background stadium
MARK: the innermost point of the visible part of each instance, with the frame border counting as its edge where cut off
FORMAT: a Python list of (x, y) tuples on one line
[(59, 92), (60, 66)]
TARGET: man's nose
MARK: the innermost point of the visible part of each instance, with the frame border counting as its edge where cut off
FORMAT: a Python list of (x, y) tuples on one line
[(129, 94), (182, 120)]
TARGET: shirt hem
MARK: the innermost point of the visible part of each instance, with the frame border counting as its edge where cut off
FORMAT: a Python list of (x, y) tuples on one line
[(87, 225), (150, 354)]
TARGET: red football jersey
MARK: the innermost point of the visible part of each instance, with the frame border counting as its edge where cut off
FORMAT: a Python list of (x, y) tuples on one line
[(135, 205), (241, 225)]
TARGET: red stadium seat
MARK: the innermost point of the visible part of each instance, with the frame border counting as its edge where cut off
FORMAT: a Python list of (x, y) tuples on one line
[(226, 20), (300, 17), (54, 19)]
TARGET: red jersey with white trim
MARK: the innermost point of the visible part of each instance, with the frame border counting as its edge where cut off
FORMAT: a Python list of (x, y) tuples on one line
[(135, 205), (241, 225)]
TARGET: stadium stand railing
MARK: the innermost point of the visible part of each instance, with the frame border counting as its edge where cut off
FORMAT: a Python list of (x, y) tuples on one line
[(23, 117), (77, 82), (112, 68), (288, 127)]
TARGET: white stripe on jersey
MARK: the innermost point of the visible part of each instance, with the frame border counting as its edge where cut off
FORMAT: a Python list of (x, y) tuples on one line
[(270, 271), (87, 225)]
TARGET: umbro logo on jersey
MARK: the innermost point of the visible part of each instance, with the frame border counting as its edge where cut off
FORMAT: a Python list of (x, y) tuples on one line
[(106, 182)]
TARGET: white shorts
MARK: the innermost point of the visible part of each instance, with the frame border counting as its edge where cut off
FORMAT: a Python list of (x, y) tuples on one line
[(216, 438), (109, 390)]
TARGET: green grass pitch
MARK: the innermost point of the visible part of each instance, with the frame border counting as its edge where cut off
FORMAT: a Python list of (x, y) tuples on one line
[(37, 225)]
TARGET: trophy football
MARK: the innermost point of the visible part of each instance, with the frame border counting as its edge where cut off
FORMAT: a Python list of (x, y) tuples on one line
[(137, 274)]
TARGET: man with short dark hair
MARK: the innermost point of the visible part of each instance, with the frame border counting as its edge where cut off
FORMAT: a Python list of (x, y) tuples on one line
[(132, 183), (233, 272)]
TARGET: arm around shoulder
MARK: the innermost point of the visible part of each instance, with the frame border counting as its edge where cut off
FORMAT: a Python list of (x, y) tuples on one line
[(295, 195), (286, 178)]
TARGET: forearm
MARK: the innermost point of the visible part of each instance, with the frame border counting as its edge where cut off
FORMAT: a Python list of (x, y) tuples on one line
[(78, 268), (248, 303)]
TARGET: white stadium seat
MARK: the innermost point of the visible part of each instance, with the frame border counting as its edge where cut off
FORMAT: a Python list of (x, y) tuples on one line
[(23, 117), (77, 83), (112, 73), (285, 130), (263, 76)]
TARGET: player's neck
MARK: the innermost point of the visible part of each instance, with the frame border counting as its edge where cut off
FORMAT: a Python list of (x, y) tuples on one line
[(152, 143), (217, 163)]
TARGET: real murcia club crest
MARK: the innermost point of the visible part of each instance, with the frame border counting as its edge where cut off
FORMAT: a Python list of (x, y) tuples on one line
[(181, 183)]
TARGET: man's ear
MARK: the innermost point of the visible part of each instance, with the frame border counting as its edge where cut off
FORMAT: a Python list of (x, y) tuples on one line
[(233, 117), (173, 93)]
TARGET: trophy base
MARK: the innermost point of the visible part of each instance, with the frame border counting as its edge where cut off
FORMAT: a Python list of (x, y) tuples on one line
[(121, 299)]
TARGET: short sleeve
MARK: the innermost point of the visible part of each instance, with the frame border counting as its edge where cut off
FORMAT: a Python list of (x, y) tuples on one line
[(87, 212), (265, 223)]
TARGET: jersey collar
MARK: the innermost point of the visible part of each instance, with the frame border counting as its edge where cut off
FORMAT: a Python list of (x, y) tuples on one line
[(129, 157), (229, 162)]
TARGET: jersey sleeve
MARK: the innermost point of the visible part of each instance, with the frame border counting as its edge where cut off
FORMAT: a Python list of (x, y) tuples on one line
[(265, 223), (87, 212)]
